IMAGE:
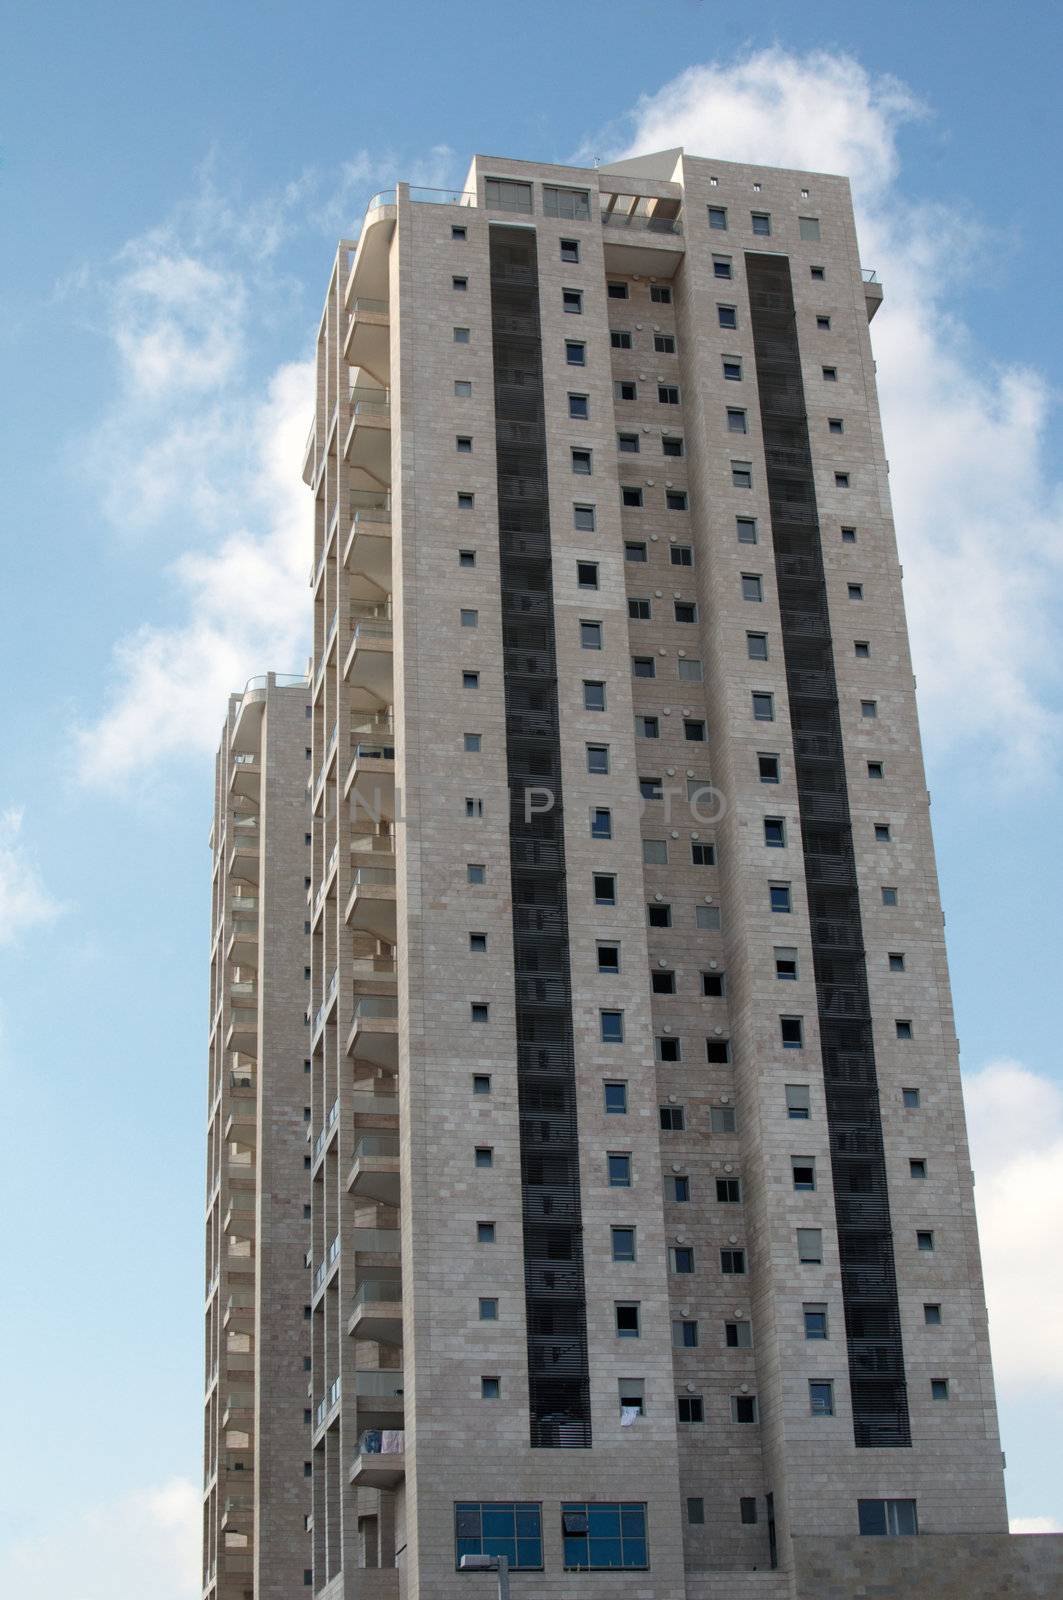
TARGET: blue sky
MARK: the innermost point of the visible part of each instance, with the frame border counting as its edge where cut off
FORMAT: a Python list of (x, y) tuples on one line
[(173, 181)]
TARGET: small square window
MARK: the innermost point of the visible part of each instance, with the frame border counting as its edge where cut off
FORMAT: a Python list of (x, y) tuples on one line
[(768, 768), (661, 294), (575, 353), (593, 695), (601, 823), (792, 1034), (668, 394), (939, 1388), (485, 1233), (712, 985), (682, 1259), (924, 1239), (685, 611), (736, 420), (741, 474), (810, 1246), (815, 1321), (775, 833), (631, 1399), (655, 852), (896, 960), (572, 301), (664, 344), (630, 494), (611, 1027), (779, 896), (466, 558), (707, 918), (727, 316), (693, 730), (625, 389), (590, 635), (604, 889), (681, 555), (675, 499), (818, 274), (598, 758), (808, 227), (820, 1398), (855, 591), (869, 708), (475, 872), (786, 963), (466, 500), (932, 1314), (584, 518), (723, 1119), (609, 958), (752, 586), (579, 406), (728, 1191), (461, 335), (581, 462), (617, 291), (671, 444), (701, 854), (904, 1028), (650, 789), (481, 1083), (660, 916), (638, 610), (615, 1094), (667, 1048), (690, 1408), (721, 267), (672, 1119), (798, 1102), (587, 574), (823, 323), (469, 618), (757, 646), (861, 649), (761, 223), (690, 669), (835, 425), (841, 480), (743, 1408), (634, 551), (627, 1320), (478, 943), (718, 218), (488, 1310), (620, 338), (490, 1388), (746, 530), (889, 895), (647, 727), (457, 231), (618, 1167), (627, 444), (470, 680), (830, 374), (910, 1099), (479, 1011), (570, 250), (459, 283), (882, 833), (484, 1156), (917, 1167), (462, 388), (732, 368)]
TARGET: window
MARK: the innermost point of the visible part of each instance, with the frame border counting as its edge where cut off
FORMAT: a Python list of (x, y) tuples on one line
[(892, 1517), (723, 1119), (617, 291), (682, 1259), (484, 1156), (602, 1535), (779, 897), (601, 823), (461, 284), (579, 406), (570, 250), (558, 202), (732, 1262), (830, 374), (462, 388), (671, 444), (752, 586), (804, 1172), (732, 368), (488, 1310), (660, 916), (620, 338), (662, 981), (738, 1335), (474, 807), (690, 670), (598, 759), (593, 696), (630, 494), (693, 731), (575, 353), (500, 1528), (798, 1102), (506, 194), (627, 444), (746, 530), (712, 985), (466, 558), (627, 1319), (727, 316), (615, 1093), (671, 1119), (729, 1191), (818, 274), (808, 227), (904, 1028), (932, 1315), (668, 394), (485, 1233), (581, 462), (457, 231), (823, 323), (889, 895), (910, 1099), (718, 218), (475, 872), (757, 646), (590, 635), (587, 574), (695, 1511), (791, 1033), (667, 1048), (625, 389), (685, 611), (763, 706), (638, 610), (584, 519), (810, 1246), (466, 500), (835, 425), (478, 943), (917, 1167), (861, 649), (461, 335), (572, 301), (855, 591), (820, 1397), (469, 618), (775, 833), (664, 344), (479, 1011), (661, 294), (679, 1190), (761, 223), (815, 1321), (721, 266), (611, 1027), (650, 789), (635, 551), (655, 852), (623, 1244), (631, 1396), (618, 1167), (924, 1239), (742, 474), (747, 1510), (743, 1408), (675, 499), (896, 960), (707, 918), (604, 889), (869, 708), (608, 958), (882, 833), (690, 1408), (717, 1051), (481, 1083)]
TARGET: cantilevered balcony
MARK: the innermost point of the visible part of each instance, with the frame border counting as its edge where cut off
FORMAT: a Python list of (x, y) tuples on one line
[(243, 839), (368, 669), (872, 291), (239, 1313), (376, 1311), (238, 1410), (367, 552), (367, 447), (245, 776), (242, 946), (381, 1461), (379, 1393), (368, 341), (369, 785), (242, 1033), (374, 1173), (642, 228), (374, 1034), (370, 905)]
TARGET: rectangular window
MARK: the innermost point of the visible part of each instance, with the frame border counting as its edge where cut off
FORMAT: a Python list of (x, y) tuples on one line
[(604, 1535), (738, 1335), (682, 1259), (841, 480), (461, 335), (896, 960), (638, 610), (693, 730), (635, 551), (695, 1511), (601, 823), (727, 316), (752, 586), (582, 462), (584, 518), (623, 1244), (810, 1246), (630, 494), (604, 889), (611, 1027), (469, 618), (917, 1167), (462, 388), (460, 284), (815, 1321), (768, 768), (655, 852), (590, 635), (668, 394), (732, 1262), (712, 985), (717, 1051), (729, 1191), (500, 1528), (572, 302), (823, 323), (575, 353), (570, 250), (625, 389), (620, 338), (617, 291), (679, 1189), (685, 611), (572, 203), (466, 558), (893, 1518), (660, 916), (742, 474), (924, 1239), (690, 1408), (671, 444), (763, 706), (798, 1100), (618, 1167), (820, 1397), (743, 1408), (627, 444), (761, 222), (615, 1095), (668, 1048), (627, 1319), (594, 700), (660, 294), (598, 758), (690, 669), (721, 267), (746, 530), (932, 1314), (779, 898), (664, 344), (808, 228), (757, 646), (732, 368), (723, 1119), (775, 833), (587, 574), (681, 555), (910, 1099), (488, 1310), (707, 918), (507, 194), (579, 406), (476, 872), (608, 958), (804, 1172), (835, 425), (718, 218), (675, 500), (671, 1119)]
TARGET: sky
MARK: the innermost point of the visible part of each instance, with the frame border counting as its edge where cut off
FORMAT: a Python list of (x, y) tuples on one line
[(173, 181)]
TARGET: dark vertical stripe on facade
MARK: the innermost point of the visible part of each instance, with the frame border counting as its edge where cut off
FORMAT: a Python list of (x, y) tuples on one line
[(869, 1285), (558, 1380)]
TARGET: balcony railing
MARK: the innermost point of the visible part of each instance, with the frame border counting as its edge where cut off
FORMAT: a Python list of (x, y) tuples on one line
[(638, 221), (373, 307), (365, 400), (331, 1400), (330, 995), (330, 1121), (380, 1383), (375, 1291), (379, 1241), (374, 1105), (377, 1144), (373, 752), (368, 1006), (373, 878), (869, 274)]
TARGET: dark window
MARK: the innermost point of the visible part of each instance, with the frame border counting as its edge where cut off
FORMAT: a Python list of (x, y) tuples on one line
[(712, 984), (601, 826), (634, 550), (604, 1535), (732, 1262), (500, 1528), (671, 445), (747, 1510), (570, 249), (888, 1517), (604, 889), (617, 291), (681, 555), (668, 394), (664, 344), (579, 406), (775, 832), (623, 1244), (661, 294), (660, 916), (727, 316), (620, 338), (729, 1191), (615, 1095), (672, 1119), (690, 1408), (643, 667)]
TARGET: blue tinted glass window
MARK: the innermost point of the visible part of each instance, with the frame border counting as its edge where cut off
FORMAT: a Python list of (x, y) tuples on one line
[(607, 1535), (499, 1528)]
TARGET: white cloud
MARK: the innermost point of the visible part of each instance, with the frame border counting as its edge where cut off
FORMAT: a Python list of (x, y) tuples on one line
[(1015, 1122), (1035, 1525), (966, 438), (24, 900), (146, 1543)]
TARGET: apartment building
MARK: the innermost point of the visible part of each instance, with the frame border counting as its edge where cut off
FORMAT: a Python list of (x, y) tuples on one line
[(643, 1235), (257, 1346)]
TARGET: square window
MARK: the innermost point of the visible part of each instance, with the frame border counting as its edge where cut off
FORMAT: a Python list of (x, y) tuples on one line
[(587, 574), (823, 323), (712, 985), (682, 1259), (598, 758), (810, 1246), (618, 1167), (882, 833), (896, 960), (763, 706), (478, 943), (461, 335), (481, 1083), (570, 250), (917, 1167), (462, 388), (757, 646), (910, 1099), (572, 301), (707, 918), (661, 294), (746, 530), (752, 586), (841, 480), (651, 789), (675, 499), (469, 618), (743, 1408), (575, 353), (835, 425), (470, 680), (611, 1025), (904, 1028), (474, 807), (466, 558), (475, 872), (593, 698), (798, 1102), (818, 274), (668, 394), (932, 1315), (861, 649), (775, 833), (690, 669), (701, 854), (625, 389), (721, 267), (458, 232), (484, 1156), (727, 316), (804, 1173), (660, 916), (601, 823), (608, 958), (617, 291), (466, 501), (690, 1408), (761, 223), (889, 895), (581, 463), (685, 611), (717, 1051), (768, 768), (672, 1119), (791, 1033), (584, 519), (779, 897), (590, 635), (728, 1191), (635, 551), (627, 1320), (815, 1321), (723, 1119), (630, 494), (718, 218), (490, 1388), (742, 474), (671, 444), (579, 406), (820, 1398), (655, 852), (488, 1310), (479, 1011), (738, 1335), (808, 227), (855, 591), (664, 344), (693, 731), (485, 1233), (869, 708), (732, 368), (662, 981), (939, 1388), (627, 444), (668, 1049), (459, 283), (638, 610), (615, 1095), (875, 769), (680, 1190), (830, 374), (604, 889), (924, 1239)]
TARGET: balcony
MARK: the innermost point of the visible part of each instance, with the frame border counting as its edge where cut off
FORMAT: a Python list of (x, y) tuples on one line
[(379, 1394), (242, 1033), (381, 1459), (326, 650), (370, 905), (367, 553), (368, 669), (367, 447), (323, 1137), (376, 1311), (325, 1009), (243, 849), (374, 1034), (642, 227), (321, 1276), (326, 1407), (368, 341), (386, 1242), (370, 782), (241, 1124), (374, 1173), (238, 1410), (245, 776), (242, 948), (365, 1104), (239, 1314)]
